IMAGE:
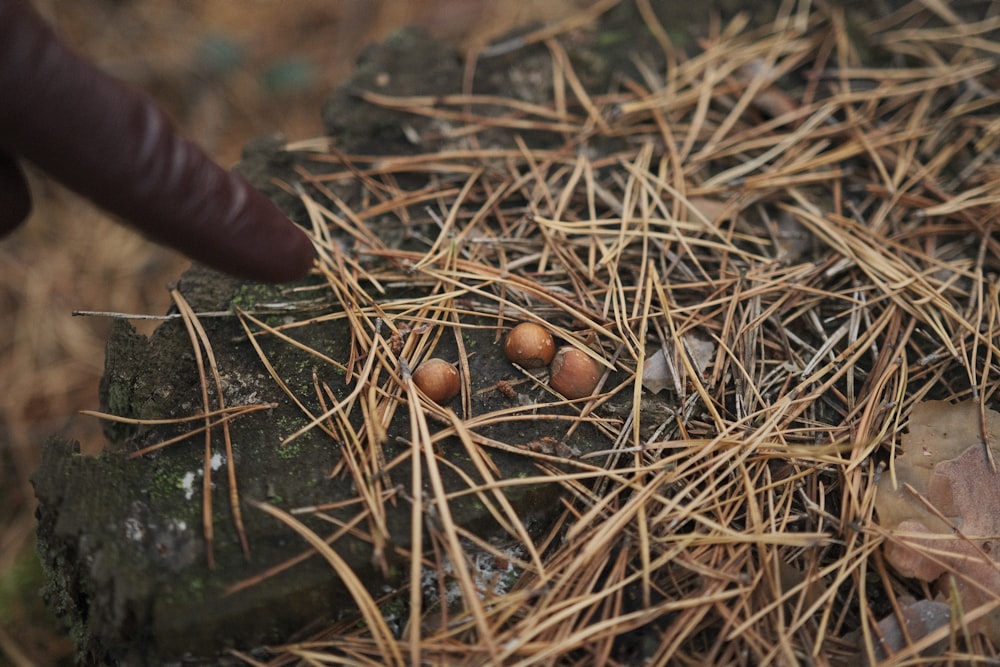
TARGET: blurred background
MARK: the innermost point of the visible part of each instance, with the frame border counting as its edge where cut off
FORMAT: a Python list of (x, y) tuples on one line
[(227, 72)]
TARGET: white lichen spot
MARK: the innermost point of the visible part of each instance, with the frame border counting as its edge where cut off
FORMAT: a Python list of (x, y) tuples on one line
[(187, 483), (134, 530), (492, 576)]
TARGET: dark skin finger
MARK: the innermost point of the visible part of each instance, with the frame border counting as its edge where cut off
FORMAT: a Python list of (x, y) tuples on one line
[(114, 146)]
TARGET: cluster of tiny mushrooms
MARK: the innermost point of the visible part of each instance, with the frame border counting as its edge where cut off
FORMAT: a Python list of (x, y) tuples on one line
[(572, 373)]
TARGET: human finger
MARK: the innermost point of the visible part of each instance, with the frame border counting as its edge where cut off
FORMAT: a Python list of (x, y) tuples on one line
[(113, 145)]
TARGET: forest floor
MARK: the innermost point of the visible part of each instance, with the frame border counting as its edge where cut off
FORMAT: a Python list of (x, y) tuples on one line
[(227, 73)]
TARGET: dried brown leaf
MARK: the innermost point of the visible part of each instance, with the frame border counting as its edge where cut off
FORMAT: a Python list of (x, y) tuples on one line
[(915, 621), (661, 372), (943, 516)]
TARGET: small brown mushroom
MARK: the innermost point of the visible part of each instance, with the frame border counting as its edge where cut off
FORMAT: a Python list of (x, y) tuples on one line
[(438, 379), (529, 345), (574, 373)]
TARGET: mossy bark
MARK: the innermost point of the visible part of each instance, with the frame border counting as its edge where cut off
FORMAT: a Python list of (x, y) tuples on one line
[(123, 537)]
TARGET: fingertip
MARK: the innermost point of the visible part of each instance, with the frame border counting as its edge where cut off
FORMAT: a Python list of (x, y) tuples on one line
[(296, 258), (255, 239)]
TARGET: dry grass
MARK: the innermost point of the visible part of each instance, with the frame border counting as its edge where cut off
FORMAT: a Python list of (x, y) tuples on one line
[(825, 221)]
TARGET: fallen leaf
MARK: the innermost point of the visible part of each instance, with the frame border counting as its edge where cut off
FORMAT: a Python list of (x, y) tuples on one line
[(943, 515), (794, 242), (919, 619), (661, 371)]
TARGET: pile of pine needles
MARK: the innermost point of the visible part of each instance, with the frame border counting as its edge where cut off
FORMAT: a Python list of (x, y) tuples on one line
[(816, 199)]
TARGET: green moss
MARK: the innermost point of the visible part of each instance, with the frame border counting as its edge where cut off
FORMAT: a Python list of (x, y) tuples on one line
[(167, 481), (290, 451), (254, 297), (247, 297)]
